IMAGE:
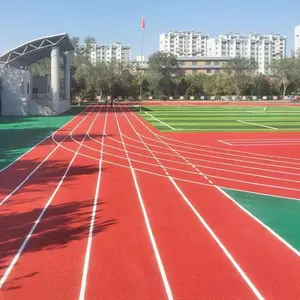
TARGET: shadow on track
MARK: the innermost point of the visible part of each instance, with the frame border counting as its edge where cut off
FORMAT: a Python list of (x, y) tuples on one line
[(61, 225)]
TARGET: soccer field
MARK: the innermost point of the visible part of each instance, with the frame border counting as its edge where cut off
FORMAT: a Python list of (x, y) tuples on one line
[(222, 118)]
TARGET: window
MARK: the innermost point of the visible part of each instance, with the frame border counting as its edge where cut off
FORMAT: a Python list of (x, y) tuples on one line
[(194, 63), (208, 71), (216, 63), (28, 88), (208, 63)]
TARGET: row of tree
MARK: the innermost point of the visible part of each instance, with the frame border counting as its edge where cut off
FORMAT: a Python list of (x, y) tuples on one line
[(163, 77)]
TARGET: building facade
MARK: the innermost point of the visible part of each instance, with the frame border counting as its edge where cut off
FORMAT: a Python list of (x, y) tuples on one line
[(184, 43), (206, 65), (262, 48), (106, 53), (297, 40), (191, 65)]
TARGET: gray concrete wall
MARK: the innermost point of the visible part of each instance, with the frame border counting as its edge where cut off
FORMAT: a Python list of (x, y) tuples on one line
[(15, 92), (42, 84), (64, 105)]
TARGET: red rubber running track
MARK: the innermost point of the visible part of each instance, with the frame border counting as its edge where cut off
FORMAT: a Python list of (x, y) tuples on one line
[(108, 208)]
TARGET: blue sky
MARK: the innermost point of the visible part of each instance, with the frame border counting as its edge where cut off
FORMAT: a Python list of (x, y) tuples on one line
[(120, 20)]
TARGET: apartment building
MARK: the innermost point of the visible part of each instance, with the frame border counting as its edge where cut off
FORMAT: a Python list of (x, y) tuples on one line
[(263, 48), (107, 53), (184, 43)]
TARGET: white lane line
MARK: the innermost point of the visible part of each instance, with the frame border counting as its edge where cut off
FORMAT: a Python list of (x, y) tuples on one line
[(159, 120), (221, 245), (147, 221), (193, 166), (273, 139), (6, 167), (256, 124), (223, 142), (39, 165), (261, 223), (37, 221), (92, 222), (274, 112), (200, 218), (157, 136), (193, 146), (267, 144), (230, 159)]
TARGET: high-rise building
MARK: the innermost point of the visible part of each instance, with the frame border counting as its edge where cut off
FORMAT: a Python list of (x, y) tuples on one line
[(107, 53), (263, 48), (297, 40), (184, 43)]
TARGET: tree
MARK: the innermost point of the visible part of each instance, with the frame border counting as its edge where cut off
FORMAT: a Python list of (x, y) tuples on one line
[(163, 68), (261, 85), (76, 44), (239, 70), (154, 79), (287, 72), (195, 84), (223, 84), (41, 68), (88, 43), (164, 63)]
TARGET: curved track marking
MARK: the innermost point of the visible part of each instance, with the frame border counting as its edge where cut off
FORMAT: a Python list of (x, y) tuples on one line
[(147, 222), (43, 161), (37, 221), (217, 187), (201, 219)]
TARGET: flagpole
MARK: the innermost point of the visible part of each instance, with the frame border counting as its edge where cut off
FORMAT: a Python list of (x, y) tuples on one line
[(142, 50)]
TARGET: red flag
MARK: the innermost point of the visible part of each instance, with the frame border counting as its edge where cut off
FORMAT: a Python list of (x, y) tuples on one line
[(143, 23)]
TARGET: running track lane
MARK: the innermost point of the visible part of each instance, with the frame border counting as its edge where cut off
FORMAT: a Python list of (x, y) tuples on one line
[(122, 263), (50, 264), (273, 268), (276, 176), (30, 161), (194, 263)]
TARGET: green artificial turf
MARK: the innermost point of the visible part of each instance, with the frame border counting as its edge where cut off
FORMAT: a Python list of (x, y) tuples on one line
[(222, 118), (19, 134)]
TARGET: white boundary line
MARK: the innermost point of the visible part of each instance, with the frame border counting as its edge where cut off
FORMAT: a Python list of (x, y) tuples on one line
[(260, 222), (16, 257), (262, 144), (256, 124), (45, 159), (231, 152), (177, 178), (226, 143), (273, 139), (190, 172), (149, 129), (92, 222), (6, 167), (224, 151), (200, 218), (147, 221), (159, 120), (215, 153)]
